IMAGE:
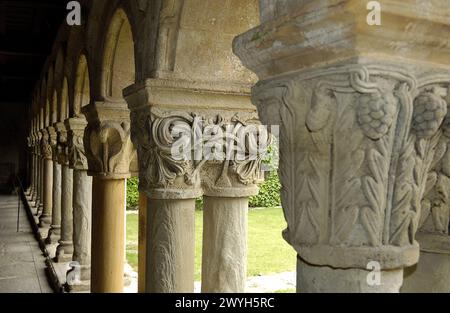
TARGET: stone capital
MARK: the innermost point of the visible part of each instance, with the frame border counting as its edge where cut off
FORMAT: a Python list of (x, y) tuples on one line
[(75, 132), (161, 128), (362, 140), (46, 149), (53, 141), (61, 148), (107, 142)]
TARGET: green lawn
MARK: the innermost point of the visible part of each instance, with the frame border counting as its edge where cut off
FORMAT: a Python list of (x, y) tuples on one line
[(267, 251)]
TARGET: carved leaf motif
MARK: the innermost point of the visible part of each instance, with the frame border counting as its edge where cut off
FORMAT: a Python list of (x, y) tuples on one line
[(346, 181), (374, 188)]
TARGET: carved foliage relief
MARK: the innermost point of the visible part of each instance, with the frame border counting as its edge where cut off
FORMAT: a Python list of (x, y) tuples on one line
[(357, 144), (158, 135)]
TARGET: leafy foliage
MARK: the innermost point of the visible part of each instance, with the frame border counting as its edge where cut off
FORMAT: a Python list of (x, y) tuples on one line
[(269, 193), (132, 193)]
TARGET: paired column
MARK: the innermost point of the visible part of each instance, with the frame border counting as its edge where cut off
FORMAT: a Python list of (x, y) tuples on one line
[(47, 179), (183, 156), (359, 132), (82, 203), (111, 157), (64, 250), (55, 227)]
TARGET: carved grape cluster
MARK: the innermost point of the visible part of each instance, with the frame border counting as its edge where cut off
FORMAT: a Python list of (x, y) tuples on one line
[(429, 112), (375, 115)]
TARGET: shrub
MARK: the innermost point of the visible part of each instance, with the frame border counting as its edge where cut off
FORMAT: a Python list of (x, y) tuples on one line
[(132, 193), (269, 193)]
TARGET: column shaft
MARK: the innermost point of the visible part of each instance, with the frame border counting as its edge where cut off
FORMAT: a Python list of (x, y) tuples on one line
[(55, 228), (82, 212), (142, 249), (224, 257), (65, 248), (46, 217), (170, 245), (108, 235)]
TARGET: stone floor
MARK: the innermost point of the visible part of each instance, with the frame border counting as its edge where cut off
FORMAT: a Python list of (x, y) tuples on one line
[(22, 264)]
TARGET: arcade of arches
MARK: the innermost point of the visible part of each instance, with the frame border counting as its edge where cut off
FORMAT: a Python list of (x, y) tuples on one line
[(364, 140)]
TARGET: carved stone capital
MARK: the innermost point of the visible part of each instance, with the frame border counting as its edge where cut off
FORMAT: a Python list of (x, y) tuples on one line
[(53, 141), (357, 144), (61, 148), (77, 155), (187, 154), (46, 149), (107, 142)]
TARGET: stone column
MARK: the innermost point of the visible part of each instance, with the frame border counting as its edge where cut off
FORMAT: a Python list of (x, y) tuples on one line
[(111, 159), (64, 250), (55, 227), (82, 203), (47, 177), (174, 171), (39, 183), (359, 131), (170, 245), (108, 235), (224, 257)]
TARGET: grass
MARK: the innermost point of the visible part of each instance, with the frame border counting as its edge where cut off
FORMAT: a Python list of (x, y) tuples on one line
[(267, 251)]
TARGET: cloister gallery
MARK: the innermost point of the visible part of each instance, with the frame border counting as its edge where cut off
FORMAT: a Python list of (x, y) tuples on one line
[(364, 133)]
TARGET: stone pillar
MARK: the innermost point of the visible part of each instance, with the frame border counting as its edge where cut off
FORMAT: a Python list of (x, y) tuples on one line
[(39, 198), (47, 177), (359, 132), (82, 203), (224, 257), (55, 227), (111, 159), (108, 235), (64, 250), (170, 245)]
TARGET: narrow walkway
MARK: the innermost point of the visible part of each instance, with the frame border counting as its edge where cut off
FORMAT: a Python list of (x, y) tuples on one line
[(22, 264)]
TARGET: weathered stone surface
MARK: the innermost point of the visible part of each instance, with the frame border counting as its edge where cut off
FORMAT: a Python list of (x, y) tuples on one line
[(170, 252), (224, 254), (55, 228), (65, 249)]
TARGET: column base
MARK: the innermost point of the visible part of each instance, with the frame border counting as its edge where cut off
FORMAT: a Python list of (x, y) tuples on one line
[(432, 272), (54, 235), (81, 286), (45, 220), (64, 252), (324, 279)]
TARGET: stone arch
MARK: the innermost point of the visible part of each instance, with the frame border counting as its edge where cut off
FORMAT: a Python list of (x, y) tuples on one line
[(118, 70), (82, 86)]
